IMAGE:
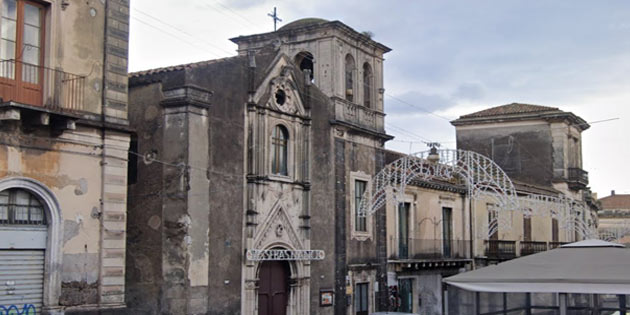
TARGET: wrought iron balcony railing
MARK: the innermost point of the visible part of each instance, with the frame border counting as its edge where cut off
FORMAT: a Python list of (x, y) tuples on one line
[(578, 176), (41, 86), (528, 247), (554, 245), (430, 249), (500, 249)]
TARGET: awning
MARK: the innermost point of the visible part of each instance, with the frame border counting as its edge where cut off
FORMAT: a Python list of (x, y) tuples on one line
[(591, 266)]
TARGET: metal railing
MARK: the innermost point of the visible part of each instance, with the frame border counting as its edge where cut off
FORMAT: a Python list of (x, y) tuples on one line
[(500, 249), (41, 86), (414, 248), (529, 247), (578, 175), (554, 245)]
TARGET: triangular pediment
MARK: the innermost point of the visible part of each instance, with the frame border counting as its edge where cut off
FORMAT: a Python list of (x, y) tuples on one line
[(279, 89), (277, 229)]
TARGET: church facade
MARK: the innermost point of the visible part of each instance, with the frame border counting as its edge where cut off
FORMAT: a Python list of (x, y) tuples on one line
[(244, 195)]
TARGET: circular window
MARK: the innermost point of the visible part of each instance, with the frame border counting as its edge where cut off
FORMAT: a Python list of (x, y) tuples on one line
[(281, 97)]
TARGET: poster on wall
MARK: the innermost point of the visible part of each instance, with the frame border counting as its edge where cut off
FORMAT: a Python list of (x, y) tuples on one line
[(326, 298)]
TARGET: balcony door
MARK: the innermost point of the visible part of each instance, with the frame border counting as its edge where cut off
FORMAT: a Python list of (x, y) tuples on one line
[(21, 51), (403, 229), (447, 231)]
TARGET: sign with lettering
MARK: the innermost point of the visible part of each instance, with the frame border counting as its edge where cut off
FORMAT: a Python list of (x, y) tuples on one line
[(284, 254)]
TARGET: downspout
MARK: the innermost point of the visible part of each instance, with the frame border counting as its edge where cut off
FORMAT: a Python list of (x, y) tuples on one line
[(103, 154), (472, 239)]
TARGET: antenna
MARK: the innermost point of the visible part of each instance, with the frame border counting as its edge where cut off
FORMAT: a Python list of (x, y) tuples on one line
[(275, 18)]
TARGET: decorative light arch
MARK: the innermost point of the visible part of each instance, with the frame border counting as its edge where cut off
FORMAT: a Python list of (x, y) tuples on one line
[(483, 178), (615, 232)]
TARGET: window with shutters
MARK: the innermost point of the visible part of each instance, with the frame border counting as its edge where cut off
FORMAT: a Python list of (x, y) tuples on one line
[(21, 51)]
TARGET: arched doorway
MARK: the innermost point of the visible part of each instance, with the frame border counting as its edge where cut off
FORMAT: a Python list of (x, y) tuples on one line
[(30, 226), (23, 242), (273, 288)]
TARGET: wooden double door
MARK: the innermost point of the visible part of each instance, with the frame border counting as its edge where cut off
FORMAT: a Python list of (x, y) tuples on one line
[(273, 288)]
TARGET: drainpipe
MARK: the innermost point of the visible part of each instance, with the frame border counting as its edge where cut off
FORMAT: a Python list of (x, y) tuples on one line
[(103, 155), (471, 226)]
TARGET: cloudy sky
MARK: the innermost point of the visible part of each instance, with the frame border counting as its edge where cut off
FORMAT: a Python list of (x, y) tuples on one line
[(449, 58)]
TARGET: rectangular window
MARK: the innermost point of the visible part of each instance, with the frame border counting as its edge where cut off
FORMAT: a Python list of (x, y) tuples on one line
[(361, 299), (554, 230), (447, 230), (527, 229), (360, 222), (493, 222)]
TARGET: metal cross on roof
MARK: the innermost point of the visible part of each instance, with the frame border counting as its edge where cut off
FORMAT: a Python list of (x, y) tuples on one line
[(275, 18)]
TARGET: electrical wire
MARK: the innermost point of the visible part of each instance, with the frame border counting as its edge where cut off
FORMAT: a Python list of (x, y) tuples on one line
[(242, 65)]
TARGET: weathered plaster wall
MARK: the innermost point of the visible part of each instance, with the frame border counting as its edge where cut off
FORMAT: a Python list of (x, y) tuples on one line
[(145, 222), (523, 150), (69, 165), (225, 163), (323, 213)]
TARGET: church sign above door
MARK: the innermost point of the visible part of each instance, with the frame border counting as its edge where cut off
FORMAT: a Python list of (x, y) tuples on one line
[(284, 254)]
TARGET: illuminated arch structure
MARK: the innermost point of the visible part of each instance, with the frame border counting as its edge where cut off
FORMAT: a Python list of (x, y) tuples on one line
[(618, 233), (483, 179)]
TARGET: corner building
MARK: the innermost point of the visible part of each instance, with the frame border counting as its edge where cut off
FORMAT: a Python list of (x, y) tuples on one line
[(64, 139), (244, 199)]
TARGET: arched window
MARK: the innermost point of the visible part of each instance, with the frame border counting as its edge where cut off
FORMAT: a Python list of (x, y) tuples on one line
[(367, 85), (349, 78), (20, 207), (306, 61), (279, 150)]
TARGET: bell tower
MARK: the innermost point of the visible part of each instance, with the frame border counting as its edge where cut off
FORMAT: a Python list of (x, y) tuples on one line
[(345, 65)]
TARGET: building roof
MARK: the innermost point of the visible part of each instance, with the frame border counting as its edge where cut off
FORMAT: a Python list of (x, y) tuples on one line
[(302, 23), (520, 112), (180, 67), (514, 108), (615, 202), (592, 267), (311, 24)]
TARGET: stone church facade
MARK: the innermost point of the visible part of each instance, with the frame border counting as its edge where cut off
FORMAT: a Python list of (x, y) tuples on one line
[(243, 199)]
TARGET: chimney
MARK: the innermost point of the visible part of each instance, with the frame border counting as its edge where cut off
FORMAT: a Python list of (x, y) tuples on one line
[(612, 192)]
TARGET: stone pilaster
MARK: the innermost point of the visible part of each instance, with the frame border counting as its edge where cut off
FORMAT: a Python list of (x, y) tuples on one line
[(116, 52), (185, 207)]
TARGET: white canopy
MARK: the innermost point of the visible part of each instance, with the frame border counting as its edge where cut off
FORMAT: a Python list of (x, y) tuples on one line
[(591, 266)]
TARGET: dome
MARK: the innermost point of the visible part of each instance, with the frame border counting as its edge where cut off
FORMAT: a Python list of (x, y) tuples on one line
[(302, 23)]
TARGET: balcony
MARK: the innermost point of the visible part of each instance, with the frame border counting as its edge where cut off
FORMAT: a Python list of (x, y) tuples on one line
[(358, 116), (578, 178), (39, 86), (504, 250), (428, 249), (554, 245), (496, 249), (528, 248)]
